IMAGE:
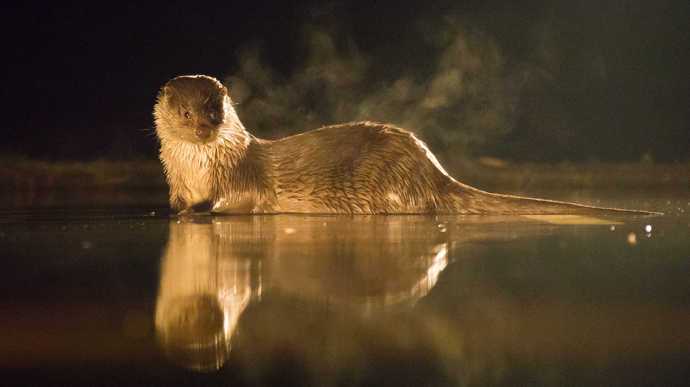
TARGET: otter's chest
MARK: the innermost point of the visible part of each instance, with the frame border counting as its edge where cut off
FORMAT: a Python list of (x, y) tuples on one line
[(195, 170)]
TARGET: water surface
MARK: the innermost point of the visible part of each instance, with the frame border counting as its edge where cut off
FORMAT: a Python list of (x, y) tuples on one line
[(129, 295)]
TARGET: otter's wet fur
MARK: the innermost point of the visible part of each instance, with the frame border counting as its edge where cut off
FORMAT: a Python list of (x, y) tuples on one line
[(355, 168)]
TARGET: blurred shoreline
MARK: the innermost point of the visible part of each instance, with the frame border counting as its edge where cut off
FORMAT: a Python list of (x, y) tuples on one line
[(19, 174), (487, 173)]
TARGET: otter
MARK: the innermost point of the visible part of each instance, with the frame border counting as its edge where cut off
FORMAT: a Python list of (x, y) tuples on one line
[(213, 164)]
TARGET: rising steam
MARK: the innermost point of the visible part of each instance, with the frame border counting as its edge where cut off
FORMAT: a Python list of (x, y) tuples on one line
[(469, 99)]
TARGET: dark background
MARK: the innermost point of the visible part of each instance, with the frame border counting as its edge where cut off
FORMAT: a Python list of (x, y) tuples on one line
[(531, 80)]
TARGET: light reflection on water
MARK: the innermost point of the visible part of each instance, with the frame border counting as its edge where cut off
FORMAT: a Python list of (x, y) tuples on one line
[(323, 294), (323, 300), (214, 266)]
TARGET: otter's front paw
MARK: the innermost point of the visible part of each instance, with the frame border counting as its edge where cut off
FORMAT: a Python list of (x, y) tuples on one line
[(202, 207)]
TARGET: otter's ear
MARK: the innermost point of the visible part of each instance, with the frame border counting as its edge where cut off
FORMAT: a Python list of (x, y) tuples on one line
[(165, 93)]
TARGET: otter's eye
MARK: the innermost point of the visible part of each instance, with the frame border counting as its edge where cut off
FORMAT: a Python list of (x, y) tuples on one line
[(213, 115), (187, 115)]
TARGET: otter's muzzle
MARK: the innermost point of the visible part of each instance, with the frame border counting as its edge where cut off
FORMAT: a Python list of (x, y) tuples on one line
[(203, 132)]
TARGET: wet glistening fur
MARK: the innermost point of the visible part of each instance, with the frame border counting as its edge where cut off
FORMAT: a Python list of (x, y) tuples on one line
[(213, 164)]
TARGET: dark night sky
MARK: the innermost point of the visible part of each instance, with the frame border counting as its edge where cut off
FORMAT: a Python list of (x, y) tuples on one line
[(79, 79)]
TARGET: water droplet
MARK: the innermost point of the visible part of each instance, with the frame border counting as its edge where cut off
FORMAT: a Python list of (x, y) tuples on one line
[(648, 228), (632, 238)]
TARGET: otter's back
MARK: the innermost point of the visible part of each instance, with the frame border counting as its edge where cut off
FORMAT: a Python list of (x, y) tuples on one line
[(356, 168)]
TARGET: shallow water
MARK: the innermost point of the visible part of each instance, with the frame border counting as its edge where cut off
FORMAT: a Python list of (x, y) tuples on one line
[(127, 295)]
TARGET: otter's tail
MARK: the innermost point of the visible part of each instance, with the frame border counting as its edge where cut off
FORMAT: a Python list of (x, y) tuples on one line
[(468, 200)]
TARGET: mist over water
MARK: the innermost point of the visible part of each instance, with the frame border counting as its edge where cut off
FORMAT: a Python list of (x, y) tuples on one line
[(469, 98), (529, 84)]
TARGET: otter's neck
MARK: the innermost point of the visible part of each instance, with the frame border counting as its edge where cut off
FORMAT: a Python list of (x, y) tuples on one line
[(195, 171)]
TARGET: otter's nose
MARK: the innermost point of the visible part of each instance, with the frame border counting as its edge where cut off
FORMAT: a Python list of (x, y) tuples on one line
[(203, 132), (204, 128)]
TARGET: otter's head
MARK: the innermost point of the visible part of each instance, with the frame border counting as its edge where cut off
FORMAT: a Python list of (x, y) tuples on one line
[(194, 108)]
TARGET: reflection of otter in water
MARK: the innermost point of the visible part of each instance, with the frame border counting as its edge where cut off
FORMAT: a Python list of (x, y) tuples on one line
[(200, 296), (211, 271), (212, 162)]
